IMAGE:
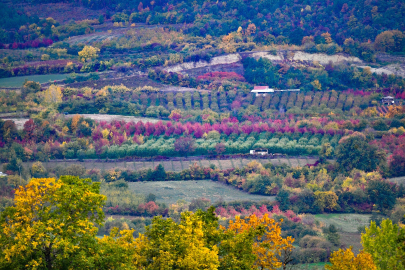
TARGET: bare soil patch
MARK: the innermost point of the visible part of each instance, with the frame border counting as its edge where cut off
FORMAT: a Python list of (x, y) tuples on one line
[(110, 118), (19, 122), (130, 82)]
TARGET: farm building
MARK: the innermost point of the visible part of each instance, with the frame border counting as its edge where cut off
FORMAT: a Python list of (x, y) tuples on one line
[(259, 152), (264, 90), (388, 100)]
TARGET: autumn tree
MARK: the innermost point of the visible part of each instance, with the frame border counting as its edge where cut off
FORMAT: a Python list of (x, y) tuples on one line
[(325, 152), (51, 224), (53, 95), (390, 41), (326, 200), (30, 87), (184, 245), (220, 148), (346, 260), (88, 53), (184, 145), (253, 243), (29, 129)]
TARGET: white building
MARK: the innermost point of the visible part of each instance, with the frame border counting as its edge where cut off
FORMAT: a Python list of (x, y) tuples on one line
[(259, 152), (388, 100), (262, 90), (265, 90)]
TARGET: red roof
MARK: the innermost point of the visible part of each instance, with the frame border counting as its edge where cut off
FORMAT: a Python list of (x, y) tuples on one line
[(261, 87)]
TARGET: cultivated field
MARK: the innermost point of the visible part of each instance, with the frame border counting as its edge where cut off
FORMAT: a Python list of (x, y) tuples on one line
[(171, 191), (172, 165), (17, 82)]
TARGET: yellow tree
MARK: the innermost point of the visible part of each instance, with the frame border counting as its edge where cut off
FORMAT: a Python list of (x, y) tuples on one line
[(253, 243), (75, 122), (53, 95), (326, 199), (327, 37), (251, 29), (51, 225), (88, 53), (345, 260), (169, 245)]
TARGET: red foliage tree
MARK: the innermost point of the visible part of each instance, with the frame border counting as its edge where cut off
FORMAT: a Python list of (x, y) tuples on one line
[(29, 128), (184, 145)]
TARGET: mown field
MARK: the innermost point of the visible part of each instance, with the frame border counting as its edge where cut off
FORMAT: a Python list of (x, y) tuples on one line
[(171, 191), (173, 165), (347, 226), (18, 81)]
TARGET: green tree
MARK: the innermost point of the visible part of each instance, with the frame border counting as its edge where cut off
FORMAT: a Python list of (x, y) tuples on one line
[(353, 152), (381, 193), (159, 174), (51, 224), (385, 244), (101, 19), (283, 199), (332, 235), (260, 71)]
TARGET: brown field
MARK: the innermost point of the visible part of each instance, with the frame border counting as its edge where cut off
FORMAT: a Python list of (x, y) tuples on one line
[(110, 118), (351, 239)]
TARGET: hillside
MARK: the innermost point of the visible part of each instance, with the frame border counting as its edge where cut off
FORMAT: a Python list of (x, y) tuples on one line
[(260, 134)]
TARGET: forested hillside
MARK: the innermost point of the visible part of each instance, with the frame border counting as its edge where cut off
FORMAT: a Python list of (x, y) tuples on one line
[(274, 20)]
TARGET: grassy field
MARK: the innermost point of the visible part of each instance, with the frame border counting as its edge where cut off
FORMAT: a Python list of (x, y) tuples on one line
[(18, 81), (347, 225), (171, 165), (398, 180), (171, 191), (309, 266), (344, 222)]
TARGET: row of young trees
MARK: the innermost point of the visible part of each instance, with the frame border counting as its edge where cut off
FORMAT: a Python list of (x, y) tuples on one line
[(240, 103)]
